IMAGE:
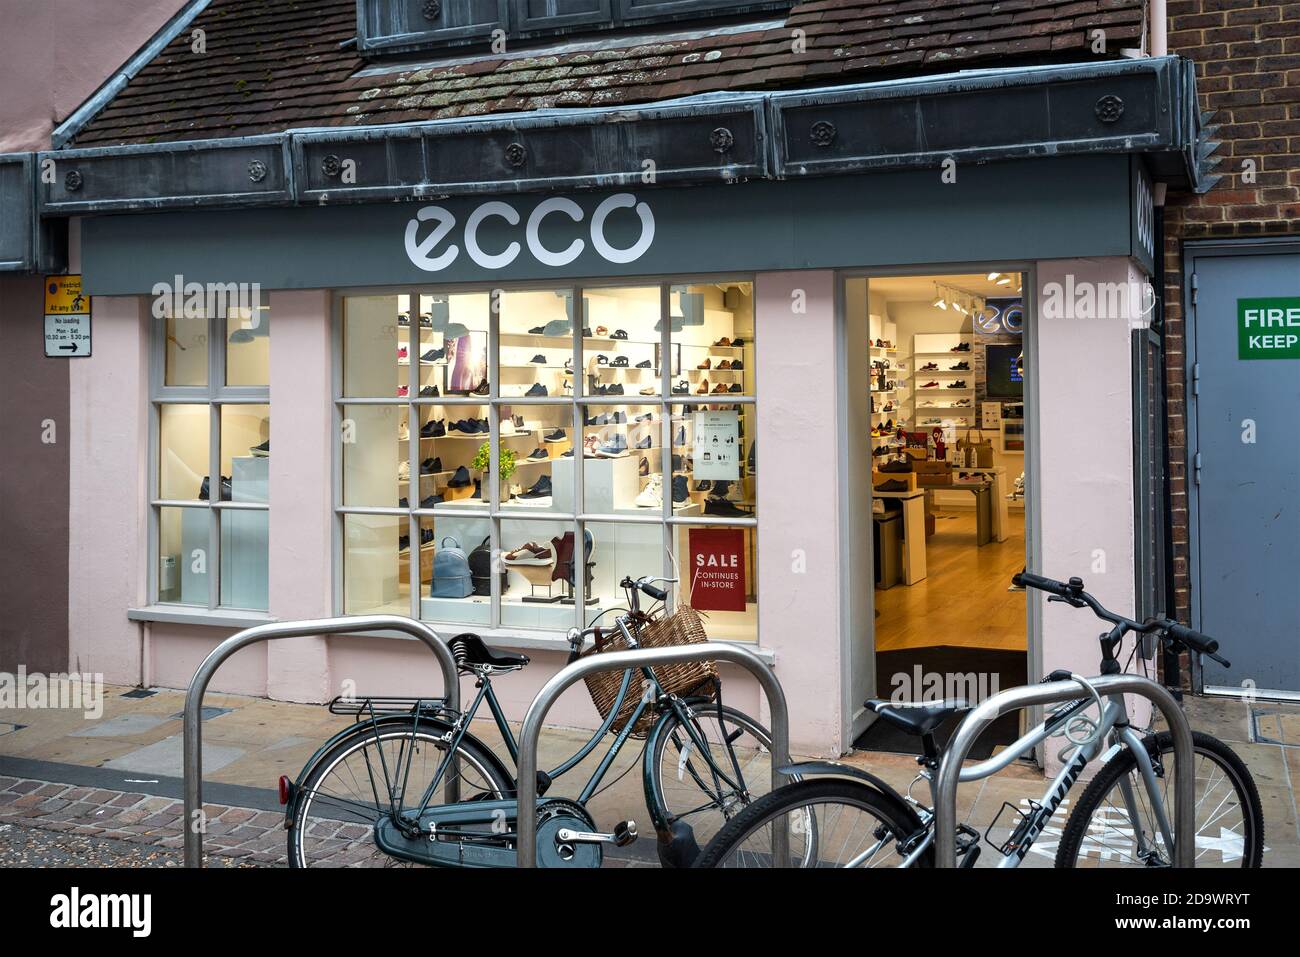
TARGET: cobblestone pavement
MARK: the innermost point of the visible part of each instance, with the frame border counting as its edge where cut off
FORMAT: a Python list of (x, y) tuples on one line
[(124, 829)]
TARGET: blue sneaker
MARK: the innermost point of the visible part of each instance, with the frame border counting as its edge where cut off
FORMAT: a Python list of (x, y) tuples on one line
[(615, 447)]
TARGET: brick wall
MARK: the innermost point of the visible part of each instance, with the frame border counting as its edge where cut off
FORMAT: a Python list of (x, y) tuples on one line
[(1247, 57)]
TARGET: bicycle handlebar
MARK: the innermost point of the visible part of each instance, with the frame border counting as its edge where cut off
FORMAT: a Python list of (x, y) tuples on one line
[(1072, 593)]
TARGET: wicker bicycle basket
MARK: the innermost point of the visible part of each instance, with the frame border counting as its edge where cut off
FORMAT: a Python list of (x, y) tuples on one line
[(685, 678)]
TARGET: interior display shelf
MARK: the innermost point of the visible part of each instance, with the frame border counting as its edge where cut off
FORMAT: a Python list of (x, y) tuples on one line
[(945, 390), (949, 352)]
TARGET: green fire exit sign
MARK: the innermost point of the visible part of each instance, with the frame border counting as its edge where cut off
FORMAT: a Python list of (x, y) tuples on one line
[(1268, 328)]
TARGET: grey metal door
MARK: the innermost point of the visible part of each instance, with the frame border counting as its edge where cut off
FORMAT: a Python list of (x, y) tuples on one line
[(1244, 442)]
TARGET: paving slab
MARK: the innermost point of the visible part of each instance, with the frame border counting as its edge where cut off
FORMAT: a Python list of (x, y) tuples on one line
[(165, 757)]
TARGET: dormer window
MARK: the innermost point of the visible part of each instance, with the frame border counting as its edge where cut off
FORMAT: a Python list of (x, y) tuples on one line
[(406, 25)]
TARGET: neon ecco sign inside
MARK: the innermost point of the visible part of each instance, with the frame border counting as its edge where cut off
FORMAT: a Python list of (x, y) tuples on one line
[(431, 255)]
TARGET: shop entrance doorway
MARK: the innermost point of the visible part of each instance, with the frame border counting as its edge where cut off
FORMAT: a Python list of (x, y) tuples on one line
[(943, 410)]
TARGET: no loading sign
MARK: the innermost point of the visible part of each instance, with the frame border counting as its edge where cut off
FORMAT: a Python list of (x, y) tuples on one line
[(67, 318)]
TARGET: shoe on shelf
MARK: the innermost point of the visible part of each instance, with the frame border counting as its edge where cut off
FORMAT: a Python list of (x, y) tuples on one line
[(682, 387), (892, 485), (539, 359), (706, 364), (205, 490), (644, 468), (897, 465), (680, 437), (620, 362), (429, 392), (644, 364), (530, 553), (431, 466), (961, 347), (959, 384), (645, 443), (618, 334), (433, 355), (652, 496), (403, 472), (735, 387), (460, 479), (433, 429), (737, 343), (681, 490), (403, 391), (478, 489), (589, 446), (261, 451), (536, 391), (429, 501), (962, 366), (558, 435), (538, 454), (721, 506), (723, 343), (614, 448), (704, 387), (930, 385), (703, 485), (541, 489), (929, 367)]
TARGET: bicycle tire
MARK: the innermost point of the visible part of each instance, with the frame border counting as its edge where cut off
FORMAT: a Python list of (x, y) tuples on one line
[(1077, 827), (815, 791), (471, 751), (661, 809)]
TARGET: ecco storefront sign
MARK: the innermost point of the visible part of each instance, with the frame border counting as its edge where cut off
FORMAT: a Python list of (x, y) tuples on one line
[(436, 250), (884, 219), (1268, 328)]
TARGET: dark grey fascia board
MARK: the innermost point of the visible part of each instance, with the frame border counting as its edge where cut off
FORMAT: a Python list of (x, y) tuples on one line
[(235, 172), (717, 140), (1104, 107), (114, 85), (1110, 106)]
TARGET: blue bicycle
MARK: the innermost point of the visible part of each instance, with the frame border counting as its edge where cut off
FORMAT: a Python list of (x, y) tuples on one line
[(409, 784)]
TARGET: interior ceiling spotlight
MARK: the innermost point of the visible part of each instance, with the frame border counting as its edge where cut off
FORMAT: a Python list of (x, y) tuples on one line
[(1003, 280), (939, 301), (993, 276)]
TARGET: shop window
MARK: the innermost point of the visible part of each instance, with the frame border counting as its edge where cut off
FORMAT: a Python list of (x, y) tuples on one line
[(209, 486), (399, 25), (478, 465)]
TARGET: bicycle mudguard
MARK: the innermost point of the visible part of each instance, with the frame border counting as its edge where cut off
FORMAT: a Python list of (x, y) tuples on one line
[(368, 727), (837, 768)]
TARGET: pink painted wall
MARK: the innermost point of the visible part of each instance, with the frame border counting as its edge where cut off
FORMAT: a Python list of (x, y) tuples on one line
[(61, 52), (301, 490), (798, 499), (1086, 447), (108, 432)]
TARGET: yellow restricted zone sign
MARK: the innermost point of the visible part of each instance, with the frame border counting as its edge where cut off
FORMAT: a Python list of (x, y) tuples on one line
[(67, 318)]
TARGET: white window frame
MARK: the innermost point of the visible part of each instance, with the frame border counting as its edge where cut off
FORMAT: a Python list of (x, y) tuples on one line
[(215, 394), (578, 403)]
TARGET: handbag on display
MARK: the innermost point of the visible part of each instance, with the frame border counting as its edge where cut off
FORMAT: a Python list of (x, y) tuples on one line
[(451, 575), (480, 568)]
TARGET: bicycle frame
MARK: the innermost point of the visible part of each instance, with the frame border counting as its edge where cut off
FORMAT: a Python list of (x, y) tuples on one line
[(1113, 733)]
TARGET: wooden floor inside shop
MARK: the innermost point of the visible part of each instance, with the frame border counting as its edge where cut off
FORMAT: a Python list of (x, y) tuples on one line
[(963, 601)]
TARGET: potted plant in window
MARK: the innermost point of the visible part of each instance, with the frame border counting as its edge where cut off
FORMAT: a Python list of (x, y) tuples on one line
[(506, 465)]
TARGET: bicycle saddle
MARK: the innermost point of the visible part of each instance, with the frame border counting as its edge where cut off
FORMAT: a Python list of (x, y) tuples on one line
[(918, 719), (468, 649)]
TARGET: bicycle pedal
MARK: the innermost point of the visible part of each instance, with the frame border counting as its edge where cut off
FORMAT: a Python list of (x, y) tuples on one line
[(624, 834)]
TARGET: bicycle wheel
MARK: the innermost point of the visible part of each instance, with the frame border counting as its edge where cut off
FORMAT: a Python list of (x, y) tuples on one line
[(706, 791), (1229, 819), (346, 792), (829, 822)]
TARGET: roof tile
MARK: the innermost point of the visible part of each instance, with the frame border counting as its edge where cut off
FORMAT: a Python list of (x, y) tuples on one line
[(272, 65)]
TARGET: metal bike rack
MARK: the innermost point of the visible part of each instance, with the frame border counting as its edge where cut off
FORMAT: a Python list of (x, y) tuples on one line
[(193, 733), (526, 852), (1055, 692)]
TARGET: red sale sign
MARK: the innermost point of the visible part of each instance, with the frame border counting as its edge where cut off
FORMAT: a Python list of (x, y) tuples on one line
[(717, 569)]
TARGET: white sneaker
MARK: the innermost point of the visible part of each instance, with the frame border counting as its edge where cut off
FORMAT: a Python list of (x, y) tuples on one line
[(652, 496), (403, 433), (404, 471)]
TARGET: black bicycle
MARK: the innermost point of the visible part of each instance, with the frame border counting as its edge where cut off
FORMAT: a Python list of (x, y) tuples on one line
[(854, 819), (408, 783)]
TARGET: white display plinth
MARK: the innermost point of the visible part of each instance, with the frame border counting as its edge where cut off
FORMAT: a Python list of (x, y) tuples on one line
[(609, 485)]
